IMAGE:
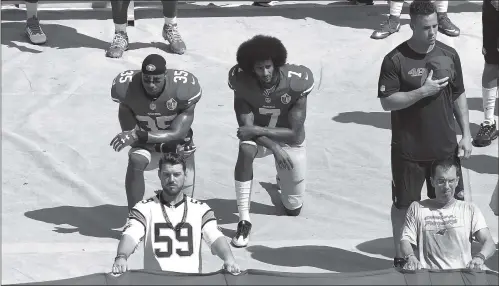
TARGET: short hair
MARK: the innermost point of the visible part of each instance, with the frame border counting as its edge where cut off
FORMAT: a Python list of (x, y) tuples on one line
[(261, 48), (446, 164), (421, 8), (172, 159)]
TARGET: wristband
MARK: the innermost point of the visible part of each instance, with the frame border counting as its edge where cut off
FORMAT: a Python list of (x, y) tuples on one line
[(120, 256), (479, 255), (142, 136), (409, 255)]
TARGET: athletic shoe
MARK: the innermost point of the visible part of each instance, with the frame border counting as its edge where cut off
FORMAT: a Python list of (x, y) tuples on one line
[(171, 34), (446, 26), (241, 238), (118, 46), (388, 27), (486, 134), (35, 32)]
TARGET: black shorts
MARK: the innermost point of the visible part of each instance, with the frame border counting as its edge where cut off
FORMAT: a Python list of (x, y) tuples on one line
[(490, 33), (408, 178)]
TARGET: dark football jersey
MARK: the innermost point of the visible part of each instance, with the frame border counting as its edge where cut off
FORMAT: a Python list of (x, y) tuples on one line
[(270, 107), (182, 91)]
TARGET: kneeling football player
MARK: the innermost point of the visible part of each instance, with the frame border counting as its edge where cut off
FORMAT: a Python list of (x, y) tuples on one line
[(270, 101), (156, 112), (172, 226)]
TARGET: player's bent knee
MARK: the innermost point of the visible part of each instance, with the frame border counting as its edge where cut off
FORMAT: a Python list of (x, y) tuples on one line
[(247, 150), (292, 203), (138, 161), (295, 212)]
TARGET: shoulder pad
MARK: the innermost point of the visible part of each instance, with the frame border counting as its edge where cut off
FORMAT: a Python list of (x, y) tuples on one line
[(120, 85), (188, 89), (301, 78), (232, 80)]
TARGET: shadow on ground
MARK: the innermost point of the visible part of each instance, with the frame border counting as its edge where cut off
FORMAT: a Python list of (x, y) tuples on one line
[(384, 247), (100, 221), (67, 38), (476, 103), (322, 257)]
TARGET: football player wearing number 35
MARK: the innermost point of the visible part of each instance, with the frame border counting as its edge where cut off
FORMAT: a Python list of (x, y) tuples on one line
[(156, 111), (270, 101)]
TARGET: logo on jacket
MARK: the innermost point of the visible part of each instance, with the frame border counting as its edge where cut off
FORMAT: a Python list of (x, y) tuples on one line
[(171, 104), (285, 98)]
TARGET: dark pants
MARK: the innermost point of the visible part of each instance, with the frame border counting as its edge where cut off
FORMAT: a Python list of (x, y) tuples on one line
[(490, 33), (120, 10)]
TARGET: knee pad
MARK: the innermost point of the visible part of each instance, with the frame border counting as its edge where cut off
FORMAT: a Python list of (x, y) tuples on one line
[(292, 202), (139, 160), (294, 212)]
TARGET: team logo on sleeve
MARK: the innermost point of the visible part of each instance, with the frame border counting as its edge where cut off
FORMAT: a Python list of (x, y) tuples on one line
[(382, 88), (171, 104), (285, 98), (150, 67)]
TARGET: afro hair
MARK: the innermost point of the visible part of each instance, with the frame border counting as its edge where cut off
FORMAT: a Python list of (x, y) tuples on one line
[(421, 8), (261, 48)]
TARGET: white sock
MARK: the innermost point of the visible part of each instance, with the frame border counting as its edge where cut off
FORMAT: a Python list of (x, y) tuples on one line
[(442, 6), (31, 10), (170, 21), (243, 195), (396, 8), (120, 27), (489, 96)]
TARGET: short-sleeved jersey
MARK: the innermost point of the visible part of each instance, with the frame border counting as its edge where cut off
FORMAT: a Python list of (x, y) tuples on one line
[(443, 236), (165, 248), (424, 131), (270, 107), (182, 91)]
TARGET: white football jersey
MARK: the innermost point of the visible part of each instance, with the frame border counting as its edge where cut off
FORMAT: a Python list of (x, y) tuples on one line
[(168, 249)]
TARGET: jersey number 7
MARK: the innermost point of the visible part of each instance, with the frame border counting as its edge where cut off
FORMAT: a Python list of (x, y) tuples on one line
[(274, 115), (187, 237)]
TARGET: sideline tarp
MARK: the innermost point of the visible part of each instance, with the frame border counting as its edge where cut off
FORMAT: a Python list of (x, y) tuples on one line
[(260, 277)]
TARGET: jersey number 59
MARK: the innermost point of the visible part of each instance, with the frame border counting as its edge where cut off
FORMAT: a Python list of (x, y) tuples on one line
[(179, 236)]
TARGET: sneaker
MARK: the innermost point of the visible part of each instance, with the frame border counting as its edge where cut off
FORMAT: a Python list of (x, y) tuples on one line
[(486, 134), (446, 26), (35, 32), (389, 27), (241, 238), (118, 46), (171, 34)]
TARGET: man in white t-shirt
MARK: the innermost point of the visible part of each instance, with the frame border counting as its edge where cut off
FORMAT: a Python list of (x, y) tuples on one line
[(442, 229), (172, 226)]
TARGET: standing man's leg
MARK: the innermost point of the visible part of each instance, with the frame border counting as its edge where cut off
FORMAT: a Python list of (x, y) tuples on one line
[(170, 29), (445, 25), (392, 25), (490, 76), (33, 29), (120, 41), (407, 181)]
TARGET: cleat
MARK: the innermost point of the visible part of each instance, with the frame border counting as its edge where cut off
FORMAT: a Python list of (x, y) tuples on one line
[(486, 134), (389, 27), (264, 3), (241, 238), (34, 31), (445, 26), (118, 46), (171, 34)]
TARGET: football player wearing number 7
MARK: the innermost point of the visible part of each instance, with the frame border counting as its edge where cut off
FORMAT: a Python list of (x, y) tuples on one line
[(156, 111), (270, 101)]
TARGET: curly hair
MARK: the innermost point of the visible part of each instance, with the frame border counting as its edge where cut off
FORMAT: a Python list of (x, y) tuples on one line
[(421, 8), (172, 159), (261, 48)]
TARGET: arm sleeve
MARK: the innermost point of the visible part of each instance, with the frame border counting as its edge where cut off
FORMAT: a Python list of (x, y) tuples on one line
[(389, 79), (477, 220), (457, 83), (135, 229), (410, 229), (209, 227), (211, 232)]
